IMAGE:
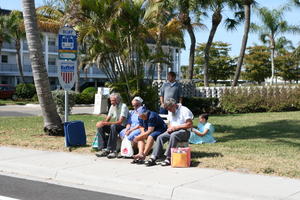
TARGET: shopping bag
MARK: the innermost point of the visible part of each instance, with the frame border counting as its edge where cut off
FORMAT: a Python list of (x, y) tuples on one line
[(126, 148), (98, 142), (181, 157)]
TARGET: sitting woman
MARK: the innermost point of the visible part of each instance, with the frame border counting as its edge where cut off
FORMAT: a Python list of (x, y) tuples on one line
[(204, 133), (132, 127), (151, 126)]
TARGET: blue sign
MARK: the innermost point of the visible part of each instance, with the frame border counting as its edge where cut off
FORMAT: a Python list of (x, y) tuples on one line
[(67, 43)]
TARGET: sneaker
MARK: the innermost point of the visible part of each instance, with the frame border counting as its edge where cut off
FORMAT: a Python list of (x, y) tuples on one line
[(102, 153), (150, 162), (165, 163), (112, 155)]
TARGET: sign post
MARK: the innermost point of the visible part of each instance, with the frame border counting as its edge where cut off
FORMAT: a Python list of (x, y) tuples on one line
[(67, 65)]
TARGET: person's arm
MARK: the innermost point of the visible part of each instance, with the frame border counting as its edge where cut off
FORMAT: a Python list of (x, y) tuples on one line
[(119, 122), (161, 98), (145, 134), (188, 124), (130, 129), (103, 122), (197, 132), (180, 100)]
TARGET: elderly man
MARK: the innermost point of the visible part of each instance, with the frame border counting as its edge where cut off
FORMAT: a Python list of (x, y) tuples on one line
[(180, 122), (132, 128), (112, 125)]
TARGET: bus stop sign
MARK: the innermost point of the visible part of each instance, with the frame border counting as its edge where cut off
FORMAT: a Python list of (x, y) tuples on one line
[(67, 74)]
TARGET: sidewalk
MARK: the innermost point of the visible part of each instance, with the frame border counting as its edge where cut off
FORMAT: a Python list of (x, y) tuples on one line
[(118, 176)]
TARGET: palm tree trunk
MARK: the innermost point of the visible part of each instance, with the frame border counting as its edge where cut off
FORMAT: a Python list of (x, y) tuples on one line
[(19, 63), (247, 11), (52, 121), (192, 51), (216, 20), (272, 65), (159, 53)]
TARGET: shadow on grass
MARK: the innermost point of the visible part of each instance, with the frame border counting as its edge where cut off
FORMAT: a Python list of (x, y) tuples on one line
[(287, 129)]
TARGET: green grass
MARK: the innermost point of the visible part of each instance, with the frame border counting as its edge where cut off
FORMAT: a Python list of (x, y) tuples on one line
[(265, 143)]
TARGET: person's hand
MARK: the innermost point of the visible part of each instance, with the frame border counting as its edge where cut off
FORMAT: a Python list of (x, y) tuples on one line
[(101, 124), (171, 129), (127, 132)]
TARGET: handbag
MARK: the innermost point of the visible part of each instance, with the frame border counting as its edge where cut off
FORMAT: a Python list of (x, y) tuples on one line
[(98, 142), (181, 157), (126, 148)]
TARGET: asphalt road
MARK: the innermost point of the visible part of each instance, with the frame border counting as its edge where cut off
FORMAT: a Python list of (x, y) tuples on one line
[(23, 189), (35, 110)]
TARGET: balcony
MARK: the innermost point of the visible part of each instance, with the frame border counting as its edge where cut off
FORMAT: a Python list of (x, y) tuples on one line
[(7, 45), (8, 68), (52, 48)]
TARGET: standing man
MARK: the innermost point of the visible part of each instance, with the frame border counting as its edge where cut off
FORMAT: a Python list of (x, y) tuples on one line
[(170, 89), (112, 125), (180, 119)]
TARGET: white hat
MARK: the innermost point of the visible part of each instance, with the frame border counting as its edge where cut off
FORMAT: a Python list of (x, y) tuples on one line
[(138, 99)]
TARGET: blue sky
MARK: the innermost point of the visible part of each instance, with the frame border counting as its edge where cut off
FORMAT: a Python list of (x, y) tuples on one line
[(233, 37)]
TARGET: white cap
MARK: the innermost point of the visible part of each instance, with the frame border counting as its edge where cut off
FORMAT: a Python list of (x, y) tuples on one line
[(138, 99)]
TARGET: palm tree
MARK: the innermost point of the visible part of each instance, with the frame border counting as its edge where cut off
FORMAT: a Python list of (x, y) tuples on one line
[(4, 33), (15, 26), (158, 14), (247, 13), (52, 121), (273, 24)]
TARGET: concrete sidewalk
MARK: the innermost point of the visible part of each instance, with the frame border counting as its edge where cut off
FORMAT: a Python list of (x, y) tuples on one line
[(118, 176)]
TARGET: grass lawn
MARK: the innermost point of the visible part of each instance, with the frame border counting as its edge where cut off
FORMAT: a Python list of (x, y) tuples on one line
[(265, 143)]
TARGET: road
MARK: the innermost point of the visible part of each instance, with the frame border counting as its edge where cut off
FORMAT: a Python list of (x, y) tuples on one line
[(17, 189), (35, 110)]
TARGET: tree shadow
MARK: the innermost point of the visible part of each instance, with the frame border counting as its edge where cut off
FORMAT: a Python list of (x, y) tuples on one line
[(275, 130)]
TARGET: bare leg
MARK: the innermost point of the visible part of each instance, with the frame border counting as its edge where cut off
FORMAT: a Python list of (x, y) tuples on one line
[(149, 144)]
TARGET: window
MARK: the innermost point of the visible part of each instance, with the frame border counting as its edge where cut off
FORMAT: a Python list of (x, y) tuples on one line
[(4, 59), (52, 61)]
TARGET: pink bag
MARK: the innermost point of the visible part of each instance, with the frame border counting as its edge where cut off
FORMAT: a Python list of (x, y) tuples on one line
[(181, 157)]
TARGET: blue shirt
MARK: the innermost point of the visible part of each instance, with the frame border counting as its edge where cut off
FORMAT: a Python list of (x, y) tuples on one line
[(133, 118), (153, 120), (207, 138)]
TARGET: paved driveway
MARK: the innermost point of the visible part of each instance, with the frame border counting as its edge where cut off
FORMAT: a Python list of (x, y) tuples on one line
[(35, 110)]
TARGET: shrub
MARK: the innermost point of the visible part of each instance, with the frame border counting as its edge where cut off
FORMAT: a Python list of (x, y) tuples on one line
[(270, 99), (59, 99), (25, 90), (199, 105), (87, 96)]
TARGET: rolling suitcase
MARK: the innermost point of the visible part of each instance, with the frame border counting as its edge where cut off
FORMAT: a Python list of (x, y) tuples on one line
[(74, 133)]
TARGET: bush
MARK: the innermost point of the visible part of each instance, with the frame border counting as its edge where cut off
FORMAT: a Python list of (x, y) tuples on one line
[(199, 105), (59, 99), (25, 90), (87, 96), (270, 99)]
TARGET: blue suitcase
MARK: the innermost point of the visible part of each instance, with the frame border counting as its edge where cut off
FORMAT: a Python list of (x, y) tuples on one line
[(74, 133)]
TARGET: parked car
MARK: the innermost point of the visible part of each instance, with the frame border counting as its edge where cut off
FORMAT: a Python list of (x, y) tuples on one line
[(7, 92)]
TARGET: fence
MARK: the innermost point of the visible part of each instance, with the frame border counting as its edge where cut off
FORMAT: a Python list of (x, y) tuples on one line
[(189, 89)]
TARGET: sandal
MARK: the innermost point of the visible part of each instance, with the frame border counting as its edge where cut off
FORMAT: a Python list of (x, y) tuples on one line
[(150, 162), (165, 163)]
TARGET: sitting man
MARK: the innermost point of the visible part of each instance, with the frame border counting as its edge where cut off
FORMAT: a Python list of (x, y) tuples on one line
[(151, 126), (132, 128), (180, 121), (112, 125)]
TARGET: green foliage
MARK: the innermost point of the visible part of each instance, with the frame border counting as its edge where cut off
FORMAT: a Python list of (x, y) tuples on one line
[(199, 105), (266, 99), (59, 99), (87, 96), (25, 90), (257, 64), (221, 65), (286, 66)]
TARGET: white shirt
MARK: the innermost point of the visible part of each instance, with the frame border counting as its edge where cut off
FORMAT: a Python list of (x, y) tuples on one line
[(181, 115)]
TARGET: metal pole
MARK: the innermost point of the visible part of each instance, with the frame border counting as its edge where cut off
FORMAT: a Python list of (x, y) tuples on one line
[(66, 106)]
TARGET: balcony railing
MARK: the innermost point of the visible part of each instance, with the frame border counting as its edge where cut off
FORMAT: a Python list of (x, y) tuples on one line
[(8, 67), (7, 45), (52, 48)]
